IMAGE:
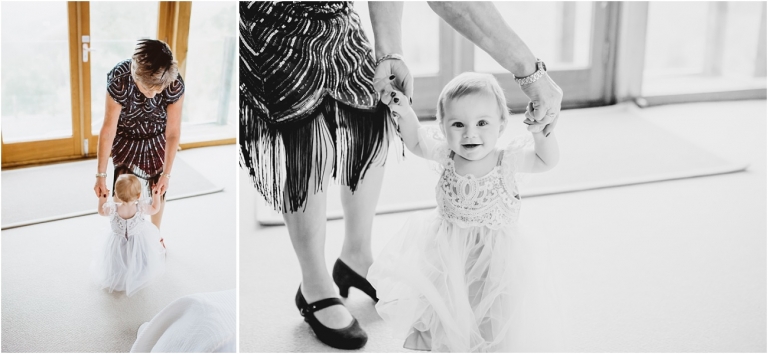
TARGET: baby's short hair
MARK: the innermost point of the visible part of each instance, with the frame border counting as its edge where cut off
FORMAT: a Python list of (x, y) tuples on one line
[(153, 64), (469, 83), (127, 188)]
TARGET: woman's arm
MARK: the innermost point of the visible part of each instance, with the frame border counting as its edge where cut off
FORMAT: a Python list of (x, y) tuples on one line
[(386, 18), (106, 137), (481, 23), (172, 136)]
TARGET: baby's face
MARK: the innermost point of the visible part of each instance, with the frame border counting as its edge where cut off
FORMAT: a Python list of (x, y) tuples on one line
[(472, 125)]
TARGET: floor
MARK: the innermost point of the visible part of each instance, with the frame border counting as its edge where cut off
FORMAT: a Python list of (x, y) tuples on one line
[(663, 267), (49, 303)]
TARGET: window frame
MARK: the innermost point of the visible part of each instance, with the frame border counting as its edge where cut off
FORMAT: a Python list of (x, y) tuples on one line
[(630, 65)]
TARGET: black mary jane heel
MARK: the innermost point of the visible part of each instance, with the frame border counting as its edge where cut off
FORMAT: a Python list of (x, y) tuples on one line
[(350, 337), (345, 277)]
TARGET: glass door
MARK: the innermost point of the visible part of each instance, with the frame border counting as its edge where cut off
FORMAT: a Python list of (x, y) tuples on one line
[(113, 30), (41, 110)]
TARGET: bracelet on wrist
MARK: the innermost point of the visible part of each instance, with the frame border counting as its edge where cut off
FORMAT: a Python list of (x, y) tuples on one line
[(102, 174), (168, 176), (541, 68), (389, 57)]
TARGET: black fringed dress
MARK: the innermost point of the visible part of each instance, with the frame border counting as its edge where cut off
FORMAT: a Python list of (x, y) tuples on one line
[(306, 81), (139, 145)]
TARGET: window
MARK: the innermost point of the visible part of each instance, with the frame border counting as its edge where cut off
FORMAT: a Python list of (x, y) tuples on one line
[(36, 102), (557, 31), (704, 47), (114, 29), (571, 37), (210, 103)]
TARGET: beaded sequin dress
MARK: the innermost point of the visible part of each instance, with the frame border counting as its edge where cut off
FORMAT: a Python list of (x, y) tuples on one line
[(130, 255), (463, 277), (139, 143), (306, 84)]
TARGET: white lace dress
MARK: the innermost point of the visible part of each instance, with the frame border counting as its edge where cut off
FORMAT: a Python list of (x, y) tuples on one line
[(463, 278), (131, 255)]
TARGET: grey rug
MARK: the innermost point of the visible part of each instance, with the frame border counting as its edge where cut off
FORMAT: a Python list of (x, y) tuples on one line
[(599, 148), (65, 190)]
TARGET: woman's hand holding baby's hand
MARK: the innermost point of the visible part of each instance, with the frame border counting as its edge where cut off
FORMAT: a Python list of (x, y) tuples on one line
[(538, 126), (546, 98), (392, 75), (156, 190), (101, 187)]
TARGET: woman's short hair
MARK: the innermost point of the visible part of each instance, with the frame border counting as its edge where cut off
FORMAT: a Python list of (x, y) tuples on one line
[(153, 64), (128, 188), (469, 83)]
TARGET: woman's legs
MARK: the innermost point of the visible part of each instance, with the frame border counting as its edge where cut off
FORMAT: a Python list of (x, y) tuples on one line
[(359, 210), (306, 228)]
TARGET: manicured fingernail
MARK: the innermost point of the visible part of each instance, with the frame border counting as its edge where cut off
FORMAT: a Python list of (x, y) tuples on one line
[(526, 123), (393, 94), (547, 136), (391, 77), (396, 100)]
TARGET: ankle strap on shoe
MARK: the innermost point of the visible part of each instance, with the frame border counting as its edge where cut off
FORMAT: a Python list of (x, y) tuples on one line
[(319, 305)]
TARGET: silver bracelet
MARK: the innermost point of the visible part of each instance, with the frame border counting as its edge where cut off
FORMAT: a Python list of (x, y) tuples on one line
[(388, 57), (103, 174), (541, 68), (166, 175)]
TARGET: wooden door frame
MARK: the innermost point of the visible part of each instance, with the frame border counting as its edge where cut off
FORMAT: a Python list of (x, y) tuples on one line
[(35, 152), (173, 28)]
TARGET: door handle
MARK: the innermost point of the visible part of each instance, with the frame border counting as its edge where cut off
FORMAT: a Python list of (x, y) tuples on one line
[(86, 48)]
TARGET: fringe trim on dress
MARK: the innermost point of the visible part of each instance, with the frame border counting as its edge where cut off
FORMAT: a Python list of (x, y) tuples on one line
[(276, 154)]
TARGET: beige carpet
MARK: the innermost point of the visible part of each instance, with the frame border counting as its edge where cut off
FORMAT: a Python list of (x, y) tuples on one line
[(48, 301), (600, 148), (65, 190)]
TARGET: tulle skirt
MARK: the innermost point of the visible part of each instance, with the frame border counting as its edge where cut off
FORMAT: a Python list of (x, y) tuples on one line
[(129, 264), (451, 289)]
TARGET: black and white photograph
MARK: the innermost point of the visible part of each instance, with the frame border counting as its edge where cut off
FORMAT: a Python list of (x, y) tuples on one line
[(502, 176)]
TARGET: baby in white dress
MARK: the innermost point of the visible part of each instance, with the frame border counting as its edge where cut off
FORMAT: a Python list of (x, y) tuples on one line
[(458, 278), (132, 254)]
